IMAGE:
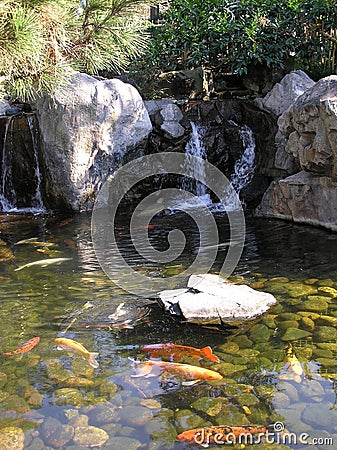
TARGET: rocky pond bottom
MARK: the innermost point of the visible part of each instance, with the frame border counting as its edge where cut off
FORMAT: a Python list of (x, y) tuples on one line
[(52, 399)]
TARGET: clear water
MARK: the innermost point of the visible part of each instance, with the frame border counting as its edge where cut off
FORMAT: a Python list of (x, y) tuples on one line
[(257, 388)]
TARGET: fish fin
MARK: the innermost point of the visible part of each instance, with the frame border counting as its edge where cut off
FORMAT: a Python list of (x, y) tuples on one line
[(142, 371), (208, 353), (92, 359), (190, 383), (176, 357)]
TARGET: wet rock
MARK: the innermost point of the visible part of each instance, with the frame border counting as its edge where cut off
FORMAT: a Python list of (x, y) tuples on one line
[(307, 323), (135, 415), (121, 442), (313, 390), (326, 362), (160, 429), (227, 368), (213, 300), (11, 438), (68, 396), (243, 341), (293, 334), (127, 431), (90, 436), (36, 444), (298, 290), (322, 420), (56, 434), (151, 403), (285, 324), (277, 287), (327, 320), (324, 334), (230, 347), (260, 333), (315, 303), (186, 419), (248, 399), (103, 413), (211, 406), (330, 291), (280, 400)]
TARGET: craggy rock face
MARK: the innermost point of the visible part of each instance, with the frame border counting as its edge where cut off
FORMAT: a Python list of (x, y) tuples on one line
[(87, 130), (307, 139)]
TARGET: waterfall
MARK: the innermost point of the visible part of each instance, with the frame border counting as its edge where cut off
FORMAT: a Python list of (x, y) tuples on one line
[(196, 147), (20, 183), (242, 173)]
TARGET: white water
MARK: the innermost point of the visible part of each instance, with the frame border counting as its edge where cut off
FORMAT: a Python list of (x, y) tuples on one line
[(6, 188), (240, 178)]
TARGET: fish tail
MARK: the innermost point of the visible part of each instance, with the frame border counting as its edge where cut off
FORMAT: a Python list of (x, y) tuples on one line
[(92, 359), (208, 353)]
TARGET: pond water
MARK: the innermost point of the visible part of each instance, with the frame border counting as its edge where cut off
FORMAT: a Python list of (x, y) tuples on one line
[(50, 398)]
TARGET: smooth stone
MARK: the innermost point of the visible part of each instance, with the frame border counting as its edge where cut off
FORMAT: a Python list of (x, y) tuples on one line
[(81, 420), (227, 368), (313, 390), (55, 434), (68, 396), (280, 400), (276, 287), (290, 391), (288, 316), (327, 320), (135, 415), (243, 341), (279, 279), (211, 406), (260, 333), (285, 324), (103, 413), (332, 292), (186, 420), (322, 353), (122, 442), (315, 303), (247, 398), (324, 334), (328, 345), (298, 290), (160, 429), (293, 334), (327, 282), (321, 418), (230, 347), (150, 403), (127, 431), (326, 362), (249, 353), (312, 315), (90, 436), (36, 444), (307, 323), (11, 438)]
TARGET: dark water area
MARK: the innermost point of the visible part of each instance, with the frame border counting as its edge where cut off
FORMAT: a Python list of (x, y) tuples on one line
[(52, 398)]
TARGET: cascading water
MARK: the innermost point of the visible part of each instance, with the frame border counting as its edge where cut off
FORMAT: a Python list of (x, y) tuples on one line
[(241, 176), (196, 147), (20, 188)]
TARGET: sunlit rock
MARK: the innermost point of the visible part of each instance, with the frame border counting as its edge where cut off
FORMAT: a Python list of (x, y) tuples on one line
[(210, 299), (88, 130)]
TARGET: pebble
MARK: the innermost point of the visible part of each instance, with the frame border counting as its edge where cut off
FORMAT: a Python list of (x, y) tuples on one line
[(135, 415), (328, 290), (186, 420), (312, 390), (211, 406), (324, 334), (90, 436), (11, 438), (103, 413), (122, 442), (315, 303), (161, 430), (69, 396), (293, 334), (229, 347), (260, 333), (247, 398), (55, 434), (307, 323)]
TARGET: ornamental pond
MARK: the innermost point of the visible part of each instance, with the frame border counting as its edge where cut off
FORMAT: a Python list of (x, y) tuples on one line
[(52, 399)]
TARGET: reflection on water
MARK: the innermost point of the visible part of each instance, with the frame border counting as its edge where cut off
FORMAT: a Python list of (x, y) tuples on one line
[(50, 398)]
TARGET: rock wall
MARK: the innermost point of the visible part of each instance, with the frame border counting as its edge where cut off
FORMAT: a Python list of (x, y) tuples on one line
[(88, 129), (307, 151)]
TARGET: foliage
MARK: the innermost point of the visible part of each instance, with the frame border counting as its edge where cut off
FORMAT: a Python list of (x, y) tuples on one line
[(232, 35), (43, 41)]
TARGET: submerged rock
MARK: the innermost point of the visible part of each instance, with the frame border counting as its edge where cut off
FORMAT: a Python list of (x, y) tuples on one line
[(11, 438), (210, 299)]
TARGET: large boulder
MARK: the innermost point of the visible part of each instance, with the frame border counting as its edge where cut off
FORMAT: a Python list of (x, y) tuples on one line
[(209, 299), (303, 197), (88, 129), (284, 93), (307, 151)]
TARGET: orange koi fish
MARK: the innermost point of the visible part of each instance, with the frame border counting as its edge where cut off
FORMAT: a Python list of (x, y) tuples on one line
[(25, 347), (178, 351), (73, 346), (186, 371), (222, 434)]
